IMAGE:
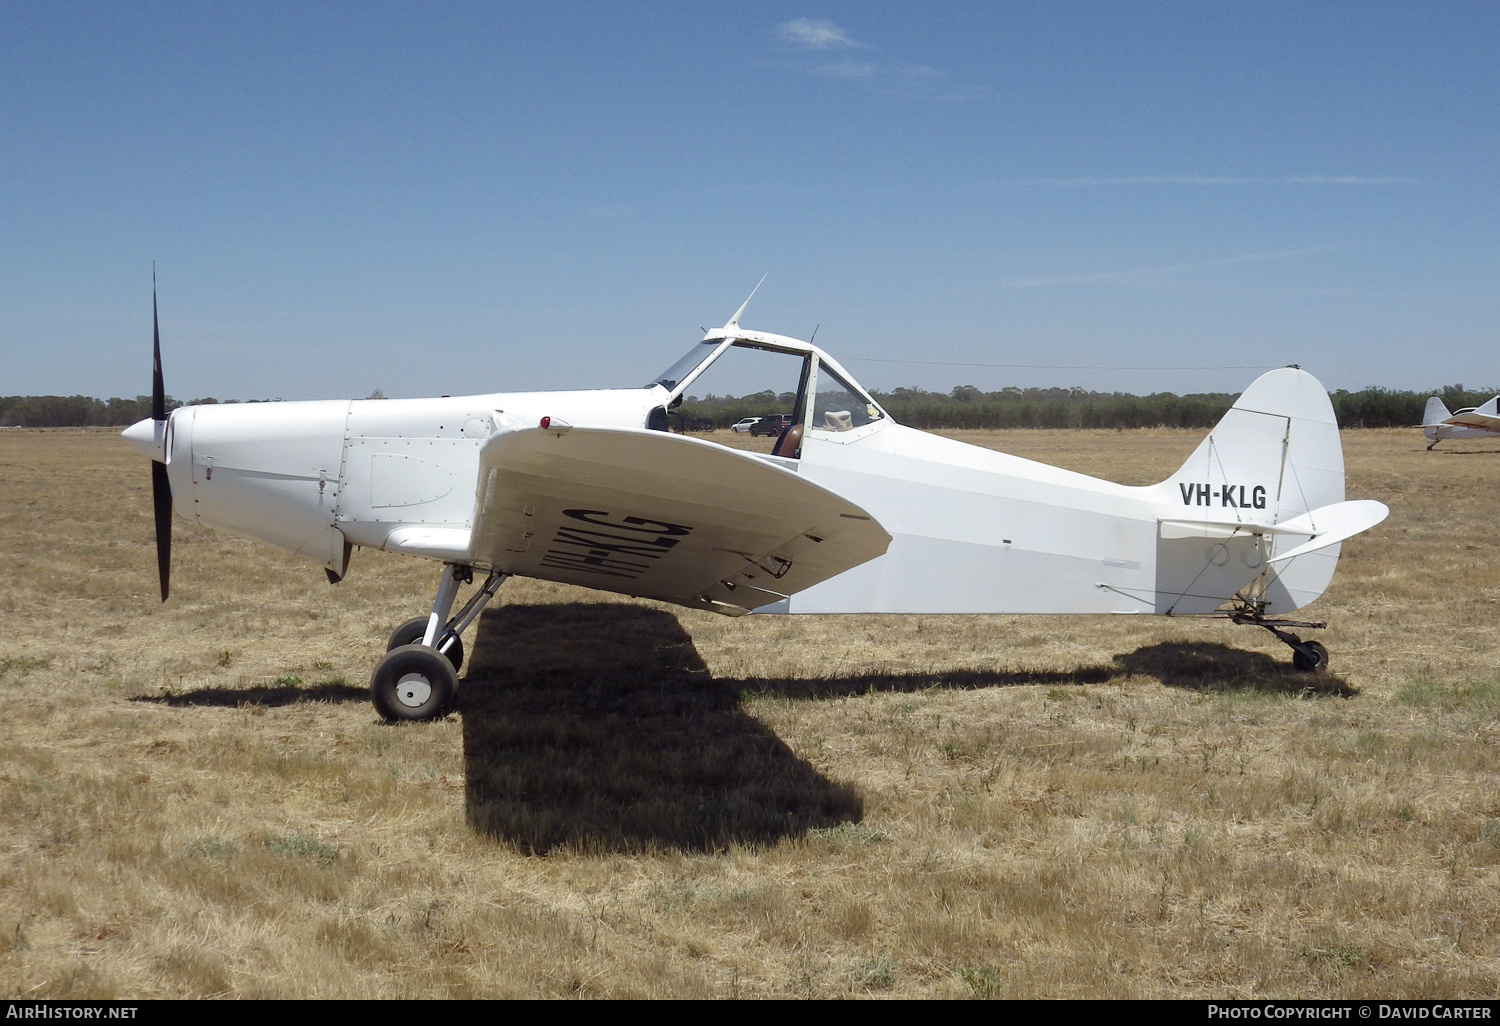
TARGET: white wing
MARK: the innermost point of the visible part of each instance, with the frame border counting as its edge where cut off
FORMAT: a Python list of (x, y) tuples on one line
[(661, 516)]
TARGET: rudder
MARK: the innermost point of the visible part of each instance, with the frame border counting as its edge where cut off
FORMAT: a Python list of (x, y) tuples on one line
[(1276, 455)]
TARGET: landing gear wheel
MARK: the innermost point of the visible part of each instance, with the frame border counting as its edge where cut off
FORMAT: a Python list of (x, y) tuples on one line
[(1309, 657), (413, 682), (411, 633)]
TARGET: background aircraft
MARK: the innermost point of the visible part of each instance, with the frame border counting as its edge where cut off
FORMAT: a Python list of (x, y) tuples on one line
[(1475, 422), (849, 512)]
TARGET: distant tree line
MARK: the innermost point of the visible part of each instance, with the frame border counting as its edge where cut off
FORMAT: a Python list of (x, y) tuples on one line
[(84, 411), (963, 407), (968, 407)]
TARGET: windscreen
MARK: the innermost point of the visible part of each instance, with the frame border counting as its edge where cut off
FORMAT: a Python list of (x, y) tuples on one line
[(680, 370)]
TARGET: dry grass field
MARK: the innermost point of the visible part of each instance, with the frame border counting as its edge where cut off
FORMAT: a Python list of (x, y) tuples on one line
[(197, 799)]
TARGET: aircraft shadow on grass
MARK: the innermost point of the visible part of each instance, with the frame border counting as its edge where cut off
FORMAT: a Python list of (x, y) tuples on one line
[(270, 695), (597, 726), (1210, 666), (1192, 666)]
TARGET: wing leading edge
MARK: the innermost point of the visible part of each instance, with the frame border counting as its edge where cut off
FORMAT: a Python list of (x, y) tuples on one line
[(661, 516)]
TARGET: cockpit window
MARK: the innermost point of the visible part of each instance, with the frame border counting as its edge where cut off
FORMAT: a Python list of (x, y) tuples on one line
[(839, 406), (680, 370), (749, 380)]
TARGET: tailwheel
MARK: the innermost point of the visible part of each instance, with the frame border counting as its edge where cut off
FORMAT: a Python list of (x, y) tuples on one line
[(1309, 657), (414, 630), (413, 682)]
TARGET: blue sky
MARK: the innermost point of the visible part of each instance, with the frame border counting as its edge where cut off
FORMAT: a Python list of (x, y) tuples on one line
[(447, 198)]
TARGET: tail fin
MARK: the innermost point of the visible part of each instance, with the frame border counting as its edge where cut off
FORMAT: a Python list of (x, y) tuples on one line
[(1435, 413), (1274, 457)]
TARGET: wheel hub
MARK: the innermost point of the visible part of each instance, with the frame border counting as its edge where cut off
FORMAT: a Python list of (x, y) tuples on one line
[(412, 690)]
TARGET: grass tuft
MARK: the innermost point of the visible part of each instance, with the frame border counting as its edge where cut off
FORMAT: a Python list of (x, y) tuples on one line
[(209, 848), (301, 846), (17, 667), (983, 982)]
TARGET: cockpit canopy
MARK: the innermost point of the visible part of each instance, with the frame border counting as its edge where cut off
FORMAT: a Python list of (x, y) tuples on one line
[(792, 376)]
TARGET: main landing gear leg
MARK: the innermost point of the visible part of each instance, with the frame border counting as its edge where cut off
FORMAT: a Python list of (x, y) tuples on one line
[(1307, 656), (418, 677)]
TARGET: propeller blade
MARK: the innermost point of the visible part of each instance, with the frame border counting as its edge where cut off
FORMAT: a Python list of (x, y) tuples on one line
[(161, 486), (161, 501), (158, 390)]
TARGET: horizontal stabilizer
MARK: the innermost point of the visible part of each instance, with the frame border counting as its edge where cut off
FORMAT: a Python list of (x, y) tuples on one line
[(1325, 525), (1187, 527), (1330, 525)]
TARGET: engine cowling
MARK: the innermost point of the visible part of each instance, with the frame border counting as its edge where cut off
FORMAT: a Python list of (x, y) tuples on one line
[(268, 471)]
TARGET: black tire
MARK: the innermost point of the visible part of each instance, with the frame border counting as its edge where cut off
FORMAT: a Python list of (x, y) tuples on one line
[(411, 633), (413, 682), (1310, 657)]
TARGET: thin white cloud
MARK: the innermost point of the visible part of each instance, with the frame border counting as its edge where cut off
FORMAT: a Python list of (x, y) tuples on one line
[(814, 34), (859, 69), (1114, 276), (846, 69), (1085, 181), (1139, 180), (910, 80), (1350, 180)]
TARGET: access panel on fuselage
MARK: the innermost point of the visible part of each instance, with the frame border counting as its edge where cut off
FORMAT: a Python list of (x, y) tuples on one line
[(409, 462)]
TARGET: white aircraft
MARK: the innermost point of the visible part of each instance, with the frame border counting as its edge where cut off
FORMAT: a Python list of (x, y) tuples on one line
[(850, 512), (1474, 422)]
